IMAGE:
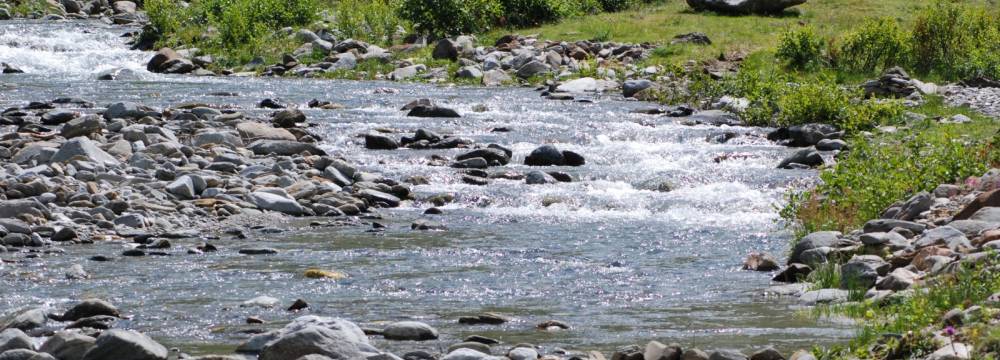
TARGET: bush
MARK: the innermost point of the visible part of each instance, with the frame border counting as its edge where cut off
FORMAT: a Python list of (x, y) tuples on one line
[(164, 15), (450, 17), (800, 48), (813, 103), (616, 5), (524, 13), (955, 40), (877, 45), (370, 20)]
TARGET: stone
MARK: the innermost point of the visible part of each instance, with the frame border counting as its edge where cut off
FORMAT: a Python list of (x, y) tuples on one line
[(915, 205), (471, 163), (496, 77), (831, 145), (82, 126), (274, 202), (283, 148), (808, 157), (251, 131), (183, 188), (469, 72), (727, 355), (816, 240), (632, 87), (522, 353), (531, 69), (83, 148), (768, 353), (886, 225), (862, 271), (66, 345), (24, 354), (89, 308), (881, 238), (11, 209), (432, 112), (169, 61), (288, 118), (744, 6), (944, 235), (380, 142), (694, 354), (760, 262), (25, 320), (824, 296), (491, 155), (445, 49), (467, 354), (987, 199), (545, 155), (59, 116), (952, 351), (656, 350), (14, 338), (480, 347), (793, 273), (698, 38), (116, 344), (410, 330), (539, 178), (331, 337)]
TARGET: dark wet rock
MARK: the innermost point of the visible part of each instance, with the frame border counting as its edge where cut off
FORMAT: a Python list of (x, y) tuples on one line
[(299, 304), (380, 142), (744, 6), (410, 330), (272, 104), (485, 318), (258, 251), (90, 307), (59, 116), (808, 158), (433, 112), (629, 352), (831, 145), (471, 163), (546, 155), (898, 280), (445, 49), (492, 155), (573, 159), (425, 225), (288, 118), (632, 87), (805, 135), (539, 178), (694, 354), (168, 61), (6, 68), (83, 126), (125, 345), (768, 353), (25, 354)]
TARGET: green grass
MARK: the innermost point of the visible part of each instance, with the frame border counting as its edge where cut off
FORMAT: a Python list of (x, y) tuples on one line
[(658, 24), (25, 8), (883, 168)]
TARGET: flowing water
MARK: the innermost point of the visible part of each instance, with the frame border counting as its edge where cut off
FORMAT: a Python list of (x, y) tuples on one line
[(609, 254)]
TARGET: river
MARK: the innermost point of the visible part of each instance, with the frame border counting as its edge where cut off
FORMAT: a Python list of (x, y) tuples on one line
[(611, 254)]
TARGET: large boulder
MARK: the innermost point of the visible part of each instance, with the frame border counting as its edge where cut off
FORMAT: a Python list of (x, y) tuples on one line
[(807, 158), (274, 202), (89, 308), (744, 6), (820, 239), (252, 131), (410, 330), (862, 271), (340, 338), (82, 126), (11, 339), (85, 149), (13, 208), (66, 345), (169, 61), (117, 344)]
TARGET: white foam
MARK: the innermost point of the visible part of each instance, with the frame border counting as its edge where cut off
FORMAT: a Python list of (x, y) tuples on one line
[(63, 50)]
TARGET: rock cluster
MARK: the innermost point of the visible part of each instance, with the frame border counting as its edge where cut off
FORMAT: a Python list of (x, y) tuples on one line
[(744, 6), (113, 12), (929, 234), (76, 173)]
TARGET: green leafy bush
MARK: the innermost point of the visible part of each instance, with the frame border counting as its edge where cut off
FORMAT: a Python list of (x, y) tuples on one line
[(616, 5), (524, 13), (801, 48), (813, 103), (164, 15), (956, 40), (451, 17), (876, 45), (370, 20)]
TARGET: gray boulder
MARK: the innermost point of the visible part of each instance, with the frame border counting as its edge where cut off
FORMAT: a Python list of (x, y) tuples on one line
[(539, 178), (532, 68), (862, 271), (85, 149), (339, 331), (11, 339), (545, 155), (14, 208), (886, 225), (90, 307), (468, 354), (726, 355), (274, 202), (24, 354), (183, 188), (632, 87), (944, 235), (81, 126), (117, 344), (126, 110), (744, 6), (445, 49), (807, 157), (66, 345), (25, 320), (820, 239), (410, 330)]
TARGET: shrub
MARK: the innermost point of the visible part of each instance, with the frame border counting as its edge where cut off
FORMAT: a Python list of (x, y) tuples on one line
[(813, 103), (524, 13), (616, 5), (450, 17), (164, 15), (955, 40), (875, 46), (800, 48), (370, 20)]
